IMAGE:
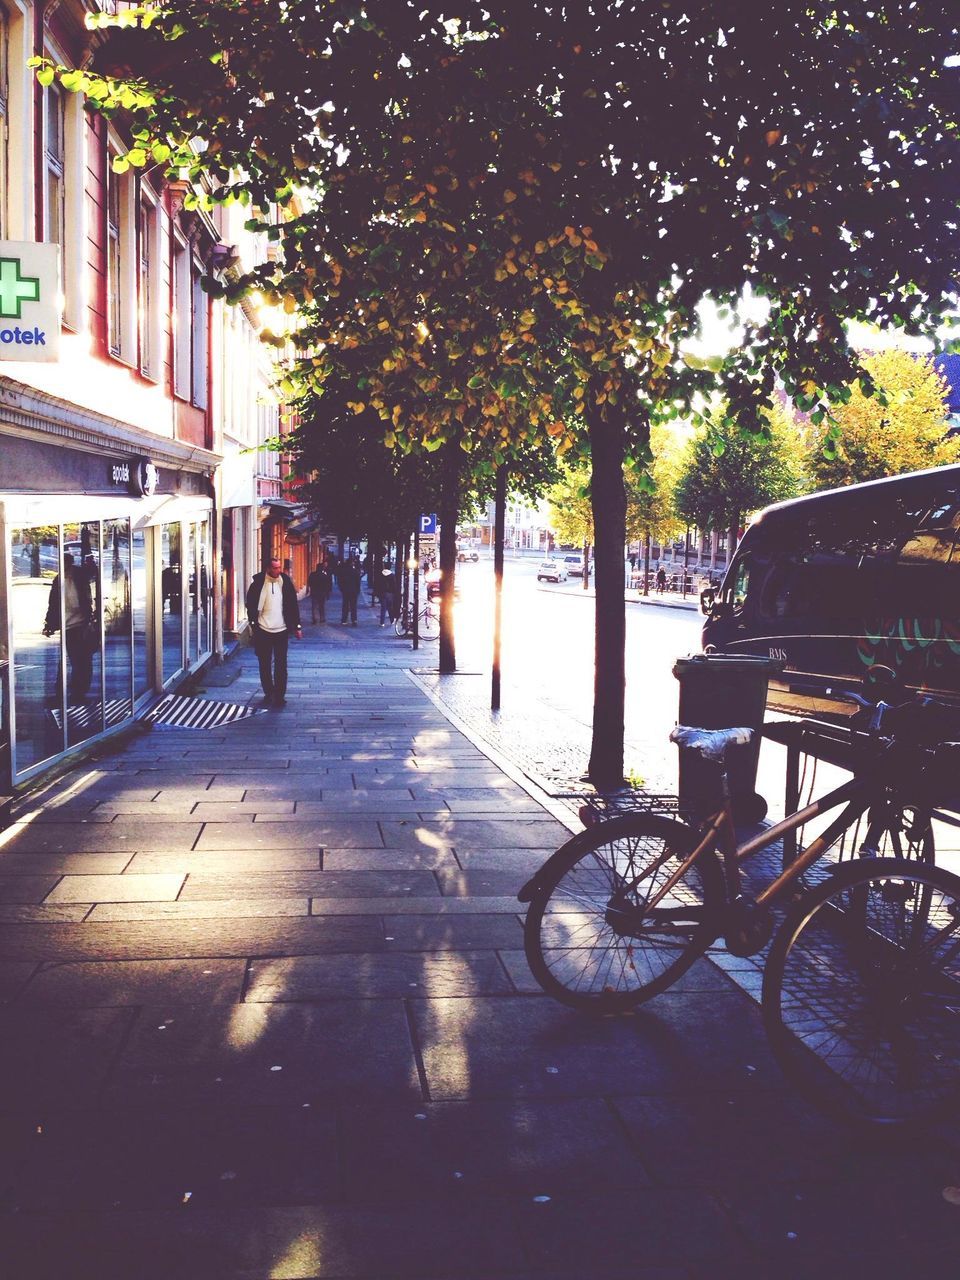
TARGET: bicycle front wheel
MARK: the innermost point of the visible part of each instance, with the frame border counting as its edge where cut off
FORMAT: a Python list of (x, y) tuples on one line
[(429, 624), (591, 939), (861, 992), (402, 625)]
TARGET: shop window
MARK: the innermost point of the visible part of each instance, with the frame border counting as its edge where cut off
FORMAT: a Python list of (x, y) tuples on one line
[(35, 606), (139, 599), (171, 592), (83, 613), (118, 639)]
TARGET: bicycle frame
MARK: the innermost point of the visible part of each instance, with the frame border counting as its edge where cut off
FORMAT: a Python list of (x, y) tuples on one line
[(859, 794)]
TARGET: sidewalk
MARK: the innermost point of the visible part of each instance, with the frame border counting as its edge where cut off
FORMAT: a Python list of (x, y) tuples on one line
[(266, 1014)]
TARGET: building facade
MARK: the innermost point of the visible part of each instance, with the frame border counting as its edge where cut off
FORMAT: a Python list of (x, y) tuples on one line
[(130, 494)]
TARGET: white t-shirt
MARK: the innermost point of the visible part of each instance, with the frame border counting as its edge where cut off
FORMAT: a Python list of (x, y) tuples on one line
[(270, 615)]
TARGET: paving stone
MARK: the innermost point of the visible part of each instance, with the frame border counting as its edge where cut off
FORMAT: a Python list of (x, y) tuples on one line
[(514, 1149), (461, 933), (108, 837), (345, 833), (506, 1047), (64, 863), (464, 833), (47, 1055), (310, 1242), (13, 977), (89, 811), (26, 888), (229, 909), (228, 861), (48, 913), (267, 1054), (221, 810), (147, 1160), (653, 1227), (526, 861), (318, 884), (152, 810), (188, 938), (136, 982), (394, 800), (387, 859), (415, 907), (485, 881), (402, 975), (126, 888)]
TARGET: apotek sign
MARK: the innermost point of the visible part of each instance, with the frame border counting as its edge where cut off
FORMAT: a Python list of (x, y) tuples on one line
[(29, 301)]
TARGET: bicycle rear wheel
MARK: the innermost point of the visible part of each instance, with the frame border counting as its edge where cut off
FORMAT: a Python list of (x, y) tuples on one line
[(590, 939), (861, 992), (429, 624), (402, 625)]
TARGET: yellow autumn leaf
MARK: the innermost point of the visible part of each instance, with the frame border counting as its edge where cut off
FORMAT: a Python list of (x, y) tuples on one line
[(509, 196)]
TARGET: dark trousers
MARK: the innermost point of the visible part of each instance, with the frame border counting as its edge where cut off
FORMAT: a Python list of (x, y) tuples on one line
[(80, 655), (387, 606), (349, 606), (271, 650)]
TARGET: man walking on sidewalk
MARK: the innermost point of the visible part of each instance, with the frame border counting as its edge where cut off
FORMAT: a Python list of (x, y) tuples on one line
[(348, 580), (319, 584), (273, 612)]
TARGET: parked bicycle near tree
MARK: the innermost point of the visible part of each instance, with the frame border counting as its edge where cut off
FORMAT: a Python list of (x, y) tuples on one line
[(429, 624), (861, 989)]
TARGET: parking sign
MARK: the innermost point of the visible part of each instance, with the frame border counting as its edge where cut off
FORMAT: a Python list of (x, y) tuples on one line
[(428, 524)]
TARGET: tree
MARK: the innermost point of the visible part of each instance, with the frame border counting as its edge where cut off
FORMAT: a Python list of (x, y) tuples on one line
[(514, 219), (902, 427), (571, 511), (728, 473)]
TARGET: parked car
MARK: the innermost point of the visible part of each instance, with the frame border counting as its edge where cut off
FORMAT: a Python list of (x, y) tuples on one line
[(467, 553), (552, 571), (574, 565), (433, 579)]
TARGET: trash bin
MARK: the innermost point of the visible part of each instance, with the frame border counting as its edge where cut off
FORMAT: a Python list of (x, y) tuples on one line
[(722, 691)]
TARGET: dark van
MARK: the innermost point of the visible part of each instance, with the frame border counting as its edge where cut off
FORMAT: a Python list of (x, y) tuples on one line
[(835, 582)]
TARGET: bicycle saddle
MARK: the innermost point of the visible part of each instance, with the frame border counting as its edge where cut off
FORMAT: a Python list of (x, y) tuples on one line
[(711, 743)]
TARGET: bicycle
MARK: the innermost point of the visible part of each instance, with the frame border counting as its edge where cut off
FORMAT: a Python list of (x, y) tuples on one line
[(861, 987), (429, 628)]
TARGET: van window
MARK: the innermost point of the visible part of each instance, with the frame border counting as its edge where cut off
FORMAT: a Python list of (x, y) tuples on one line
[(736, 593), (861, 560)]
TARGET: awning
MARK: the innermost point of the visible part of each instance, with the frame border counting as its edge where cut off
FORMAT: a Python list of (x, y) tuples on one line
[(281, 509), (302, 527)]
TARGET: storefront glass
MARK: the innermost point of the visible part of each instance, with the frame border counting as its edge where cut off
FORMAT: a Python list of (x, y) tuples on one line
[(35, 617), (171, 578), (191, 560), (84, 612), (117, 637), (142, 647)]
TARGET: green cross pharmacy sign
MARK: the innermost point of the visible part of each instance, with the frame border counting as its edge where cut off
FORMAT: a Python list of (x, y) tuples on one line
[(29, 301)]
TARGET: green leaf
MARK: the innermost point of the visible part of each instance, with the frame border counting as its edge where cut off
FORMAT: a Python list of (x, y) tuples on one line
[(46, 76)]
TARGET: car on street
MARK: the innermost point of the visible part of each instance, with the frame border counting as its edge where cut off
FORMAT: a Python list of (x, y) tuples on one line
[(551, 571), (574, 565), (467, 553), (433, 580)]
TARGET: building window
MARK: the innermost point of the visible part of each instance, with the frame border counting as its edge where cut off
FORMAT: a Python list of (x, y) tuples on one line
[(200, 340), (114, 263), (182, 369), (148, 292), (4, 124), (53, 165), (191, 332)]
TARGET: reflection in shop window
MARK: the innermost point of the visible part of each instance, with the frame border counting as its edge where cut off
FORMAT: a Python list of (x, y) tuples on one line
[(171, 583), (118, 640), (83, 608), (37, 670)]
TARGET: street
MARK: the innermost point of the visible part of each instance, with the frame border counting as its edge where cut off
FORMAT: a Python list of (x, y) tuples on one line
[(548, 649)]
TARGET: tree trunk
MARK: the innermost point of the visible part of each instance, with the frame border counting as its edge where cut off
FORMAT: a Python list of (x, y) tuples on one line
[(609, 502), (448, 514), (500, 505), (646, 563)]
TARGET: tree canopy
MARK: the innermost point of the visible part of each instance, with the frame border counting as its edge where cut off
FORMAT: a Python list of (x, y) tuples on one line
[(901, 428)]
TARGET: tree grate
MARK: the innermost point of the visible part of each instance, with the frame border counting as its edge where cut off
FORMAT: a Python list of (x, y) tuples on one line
[(198, 713)]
